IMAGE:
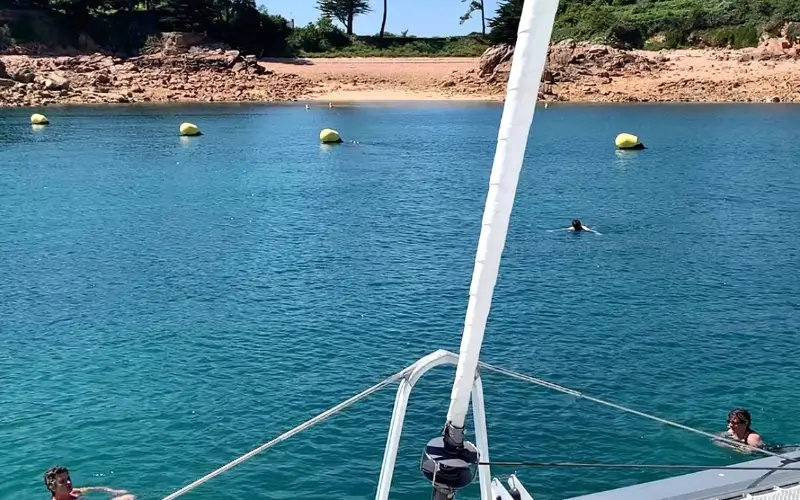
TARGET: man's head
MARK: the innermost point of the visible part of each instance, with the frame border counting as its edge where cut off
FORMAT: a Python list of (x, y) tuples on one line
[(58, 482)]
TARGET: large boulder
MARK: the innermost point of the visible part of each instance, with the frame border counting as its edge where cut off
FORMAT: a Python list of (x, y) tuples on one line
[(56, 81), (178, 42), (24, 75), (493, 57)]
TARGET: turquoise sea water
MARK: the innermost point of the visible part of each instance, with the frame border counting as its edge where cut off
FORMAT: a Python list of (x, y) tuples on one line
[(167, 304)]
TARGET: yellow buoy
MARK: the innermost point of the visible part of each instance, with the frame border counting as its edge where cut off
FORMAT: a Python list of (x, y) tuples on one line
[(628, 141), (329, 136), (190, 129), (37, 119)]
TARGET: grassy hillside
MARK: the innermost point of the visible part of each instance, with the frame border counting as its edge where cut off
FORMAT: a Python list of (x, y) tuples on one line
[(674, 23)]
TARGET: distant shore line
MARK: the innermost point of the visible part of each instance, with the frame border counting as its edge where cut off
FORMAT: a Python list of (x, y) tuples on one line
[(316, 103), (591, 75)]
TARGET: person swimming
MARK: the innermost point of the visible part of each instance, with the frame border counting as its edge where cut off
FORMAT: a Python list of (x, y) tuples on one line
[(739, 421), (739, 430), (59, 484), (578, 226)]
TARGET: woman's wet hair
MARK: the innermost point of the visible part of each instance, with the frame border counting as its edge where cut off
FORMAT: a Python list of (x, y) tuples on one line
[(740, 415), (576, 223)]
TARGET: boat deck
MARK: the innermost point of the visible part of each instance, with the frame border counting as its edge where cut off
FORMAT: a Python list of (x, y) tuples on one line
[(718, 484)]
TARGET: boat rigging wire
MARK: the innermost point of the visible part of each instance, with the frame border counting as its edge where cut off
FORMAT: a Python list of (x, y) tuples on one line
[(510, 373), (578, 394), (632, 466), (296, 430)]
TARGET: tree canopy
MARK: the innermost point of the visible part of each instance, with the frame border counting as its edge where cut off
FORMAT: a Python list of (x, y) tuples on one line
[(125, 26), (344, 11)]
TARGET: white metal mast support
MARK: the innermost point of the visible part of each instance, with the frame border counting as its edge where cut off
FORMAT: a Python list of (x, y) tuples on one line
[(449, 461), (407, 383)]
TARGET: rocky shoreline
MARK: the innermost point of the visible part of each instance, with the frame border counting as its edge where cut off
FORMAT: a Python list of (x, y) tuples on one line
[(576, 72), (585, 72), (198, 75)]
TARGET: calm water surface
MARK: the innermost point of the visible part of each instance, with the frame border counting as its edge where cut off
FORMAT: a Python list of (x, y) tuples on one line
[(167, 304)]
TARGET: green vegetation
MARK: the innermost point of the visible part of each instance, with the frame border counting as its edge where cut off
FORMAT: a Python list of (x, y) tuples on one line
[(344, 12), (325, 40), (656, 24), (127, 26)]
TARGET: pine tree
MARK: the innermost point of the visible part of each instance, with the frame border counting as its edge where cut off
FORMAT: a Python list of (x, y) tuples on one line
[(195, 16), (503, 26), (344, 11)]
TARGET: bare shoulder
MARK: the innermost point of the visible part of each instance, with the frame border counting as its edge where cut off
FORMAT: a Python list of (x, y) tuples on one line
[(754, 439)]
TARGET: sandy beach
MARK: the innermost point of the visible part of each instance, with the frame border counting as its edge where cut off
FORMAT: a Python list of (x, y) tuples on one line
[(745, 75), (389, 79), (575, 73)]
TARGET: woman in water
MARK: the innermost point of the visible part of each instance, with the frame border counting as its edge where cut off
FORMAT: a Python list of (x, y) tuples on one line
[(739, 429)]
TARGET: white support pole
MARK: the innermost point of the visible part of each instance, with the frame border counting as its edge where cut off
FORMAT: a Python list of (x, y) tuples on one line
[(393, 439), (481, 438), (527, 66), (416, 371)]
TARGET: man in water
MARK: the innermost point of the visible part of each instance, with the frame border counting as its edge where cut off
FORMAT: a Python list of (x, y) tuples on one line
[(59, 484), (739, 421), (578, 226)]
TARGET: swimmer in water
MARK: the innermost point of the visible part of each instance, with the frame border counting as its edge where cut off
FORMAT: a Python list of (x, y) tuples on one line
[(578, 226), (739, 430), (59, 484), (739, 421)]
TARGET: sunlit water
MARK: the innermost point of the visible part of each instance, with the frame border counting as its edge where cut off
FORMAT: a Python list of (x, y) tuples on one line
[(167, 304)]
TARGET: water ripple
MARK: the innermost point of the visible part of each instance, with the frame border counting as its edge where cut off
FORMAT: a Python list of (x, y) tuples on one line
[(169, 305)]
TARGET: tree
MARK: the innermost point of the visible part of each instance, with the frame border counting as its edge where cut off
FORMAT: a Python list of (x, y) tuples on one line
[(383, 22), (505, 24), (195, 16), (474, 5), (232, 9), (344, 11)]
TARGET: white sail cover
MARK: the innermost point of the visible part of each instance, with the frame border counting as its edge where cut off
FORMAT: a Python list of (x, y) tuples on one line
[(530, 55)]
